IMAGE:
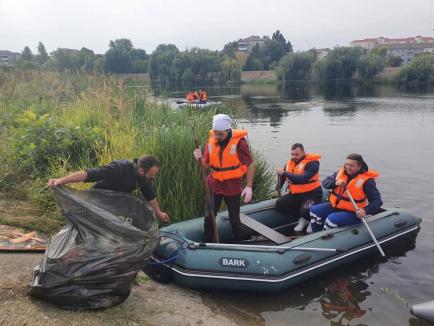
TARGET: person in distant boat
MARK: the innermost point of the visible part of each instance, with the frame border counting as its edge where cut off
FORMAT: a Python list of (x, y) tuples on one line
[(196, 95), (190, 97), (339, 211), (123, 176), (227, 154), (203, 98), (301, 174)]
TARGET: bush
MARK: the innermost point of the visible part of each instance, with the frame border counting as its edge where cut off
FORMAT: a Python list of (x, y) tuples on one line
[(36, 140), (370, 65), (420, 71), (340, 63), (394, 61), (295, 66), (73, 129)]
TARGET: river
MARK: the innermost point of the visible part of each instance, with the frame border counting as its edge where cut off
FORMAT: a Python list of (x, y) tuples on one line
[(394, 131)]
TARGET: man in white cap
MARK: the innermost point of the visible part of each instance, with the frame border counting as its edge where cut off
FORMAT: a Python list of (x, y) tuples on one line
[(227, 154)]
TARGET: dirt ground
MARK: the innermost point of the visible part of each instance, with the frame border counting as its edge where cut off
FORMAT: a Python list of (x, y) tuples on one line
[(149, 303)]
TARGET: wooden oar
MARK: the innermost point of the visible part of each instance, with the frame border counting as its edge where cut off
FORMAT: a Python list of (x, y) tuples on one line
[(208, 195), (365, 223)]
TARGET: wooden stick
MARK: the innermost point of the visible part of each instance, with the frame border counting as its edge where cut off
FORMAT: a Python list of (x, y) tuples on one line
[(208, 195)]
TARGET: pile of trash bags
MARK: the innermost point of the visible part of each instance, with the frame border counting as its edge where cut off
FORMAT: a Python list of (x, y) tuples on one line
[(94, 259)]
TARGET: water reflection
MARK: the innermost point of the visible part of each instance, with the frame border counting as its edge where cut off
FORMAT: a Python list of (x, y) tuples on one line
[(298, 91), (342, 299), (339, 296), (389, 127), (340, 109)]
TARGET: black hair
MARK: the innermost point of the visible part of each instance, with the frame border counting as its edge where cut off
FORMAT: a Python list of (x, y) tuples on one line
[(297, 145), (146, 162), (355, 157)]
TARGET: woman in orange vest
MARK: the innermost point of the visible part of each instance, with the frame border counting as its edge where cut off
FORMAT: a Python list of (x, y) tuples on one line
[(339, 211), (227, 154), (301, 173)]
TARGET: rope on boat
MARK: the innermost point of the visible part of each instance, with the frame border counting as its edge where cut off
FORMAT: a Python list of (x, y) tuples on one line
[(177, 253)]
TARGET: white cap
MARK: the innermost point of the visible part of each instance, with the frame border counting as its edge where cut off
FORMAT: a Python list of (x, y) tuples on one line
[(221, 122)]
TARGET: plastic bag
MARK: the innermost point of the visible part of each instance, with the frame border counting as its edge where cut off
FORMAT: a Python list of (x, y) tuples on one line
[(94, 259)]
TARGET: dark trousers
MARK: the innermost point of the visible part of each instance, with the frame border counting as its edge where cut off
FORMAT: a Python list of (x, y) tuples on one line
[(298, 205), (233, 205)]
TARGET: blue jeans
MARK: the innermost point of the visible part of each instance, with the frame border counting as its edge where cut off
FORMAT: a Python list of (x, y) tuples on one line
[(324, 216)]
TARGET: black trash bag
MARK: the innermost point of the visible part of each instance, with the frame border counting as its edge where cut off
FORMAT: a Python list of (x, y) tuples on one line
[(92, 262)]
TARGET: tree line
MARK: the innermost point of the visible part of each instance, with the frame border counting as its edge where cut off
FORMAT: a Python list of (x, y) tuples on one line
[(343, 63), (166, 64)]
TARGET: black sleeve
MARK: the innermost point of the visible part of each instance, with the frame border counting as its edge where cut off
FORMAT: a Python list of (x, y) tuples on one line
[(147, 189), (106, 172), (329, 182), (374, 197)]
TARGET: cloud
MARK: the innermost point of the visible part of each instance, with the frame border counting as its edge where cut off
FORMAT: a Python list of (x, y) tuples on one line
[(208, 24)]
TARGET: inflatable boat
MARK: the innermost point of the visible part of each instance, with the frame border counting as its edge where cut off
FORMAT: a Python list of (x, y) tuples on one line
[(270, 257), (424, 310)]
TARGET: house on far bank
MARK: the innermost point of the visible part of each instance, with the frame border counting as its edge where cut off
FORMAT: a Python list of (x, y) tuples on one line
[(408, 51), (406, 48), (247, 44), (8, 57), (321, 53)]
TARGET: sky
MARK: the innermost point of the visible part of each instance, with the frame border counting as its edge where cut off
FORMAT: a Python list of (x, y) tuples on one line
[(206, 24)]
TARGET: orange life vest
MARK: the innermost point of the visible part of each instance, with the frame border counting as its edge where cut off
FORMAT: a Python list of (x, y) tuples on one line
[(203, 96), (338, 197), (226, 165), (196, 95), (190, 97), (299, 168)]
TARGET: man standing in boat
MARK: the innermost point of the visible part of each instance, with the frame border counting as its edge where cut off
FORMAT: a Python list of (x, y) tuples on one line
[(301, 174), (227, 154), (339, 211), (123, 176)]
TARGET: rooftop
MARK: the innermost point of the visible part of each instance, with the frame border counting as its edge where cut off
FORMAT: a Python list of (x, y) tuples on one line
[(252, 38)]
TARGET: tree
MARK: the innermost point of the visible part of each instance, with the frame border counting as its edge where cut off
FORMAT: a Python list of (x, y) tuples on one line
[(99, 64), (42, 56), (340, 63), (26, 54), (160, 63), (268, 55), (370, 64), (231, 70), (86, 60), (275, 49), (295, 66), (419, 71), (230, 49), (140, 60), (254, 60), (394, 61), (379, 50), (118, 58), (67, 59)]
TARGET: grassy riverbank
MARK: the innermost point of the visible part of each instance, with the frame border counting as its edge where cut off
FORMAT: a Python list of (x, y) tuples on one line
[(53, 123)]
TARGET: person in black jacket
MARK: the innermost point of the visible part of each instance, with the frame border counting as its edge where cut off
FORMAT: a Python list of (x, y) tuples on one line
[(122, 176), (355, 177)]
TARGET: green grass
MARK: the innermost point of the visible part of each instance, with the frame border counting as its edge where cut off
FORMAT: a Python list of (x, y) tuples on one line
[(80, 121)]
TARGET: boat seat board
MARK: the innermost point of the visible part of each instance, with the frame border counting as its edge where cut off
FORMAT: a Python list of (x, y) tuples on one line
[(264, 230)]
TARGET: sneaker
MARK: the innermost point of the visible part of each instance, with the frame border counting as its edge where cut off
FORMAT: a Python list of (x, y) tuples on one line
[(302, 223), (309, 229)]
